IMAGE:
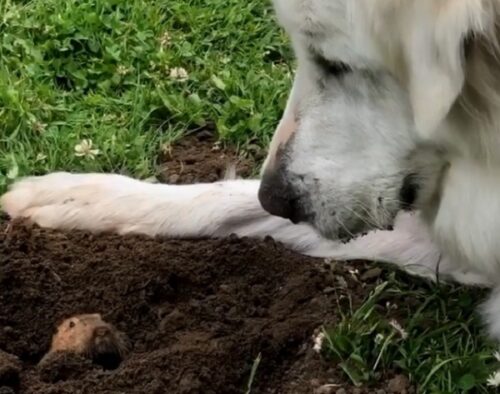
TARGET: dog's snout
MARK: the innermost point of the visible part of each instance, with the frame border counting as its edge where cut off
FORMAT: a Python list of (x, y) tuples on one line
[(277, 197), (274, 194)]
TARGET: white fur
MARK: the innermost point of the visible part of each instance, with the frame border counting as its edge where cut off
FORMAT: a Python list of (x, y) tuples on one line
[(418, 42)]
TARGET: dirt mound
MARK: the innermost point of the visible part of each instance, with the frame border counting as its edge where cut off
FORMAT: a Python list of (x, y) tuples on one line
[(199, 158), (197, 313)]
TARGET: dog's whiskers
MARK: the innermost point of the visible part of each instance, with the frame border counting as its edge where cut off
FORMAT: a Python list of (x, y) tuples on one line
[(370, 219)]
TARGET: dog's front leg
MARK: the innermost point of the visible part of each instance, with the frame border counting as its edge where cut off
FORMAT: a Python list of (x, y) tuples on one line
[(115, 203)]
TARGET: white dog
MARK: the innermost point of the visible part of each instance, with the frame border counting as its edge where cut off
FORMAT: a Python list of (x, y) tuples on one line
[(395, 108)]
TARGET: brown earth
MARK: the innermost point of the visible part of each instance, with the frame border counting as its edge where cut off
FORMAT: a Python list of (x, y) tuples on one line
[(199, 158), (197, 313)]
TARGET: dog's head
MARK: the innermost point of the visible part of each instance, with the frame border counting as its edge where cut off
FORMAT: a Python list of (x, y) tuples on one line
[(364, 134)]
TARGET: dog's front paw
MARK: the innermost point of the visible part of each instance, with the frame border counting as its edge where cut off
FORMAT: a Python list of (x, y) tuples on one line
[(64, 200), (35, 192)]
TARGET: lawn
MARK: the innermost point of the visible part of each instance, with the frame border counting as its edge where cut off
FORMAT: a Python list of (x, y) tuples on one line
[(106, 85), (131, 76)]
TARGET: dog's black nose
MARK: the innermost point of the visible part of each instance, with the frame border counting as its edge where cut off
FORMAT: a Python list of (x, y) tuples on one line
[(279, 199)]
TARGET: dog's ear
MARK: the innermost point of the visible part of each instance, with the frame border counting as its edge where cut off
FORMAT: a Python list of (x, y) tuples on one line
[(433, 41)]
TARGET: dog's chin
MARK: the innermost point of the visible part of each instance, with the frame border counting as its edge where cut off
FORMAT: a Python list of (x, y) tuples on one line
[(336, 231), (333, 232)]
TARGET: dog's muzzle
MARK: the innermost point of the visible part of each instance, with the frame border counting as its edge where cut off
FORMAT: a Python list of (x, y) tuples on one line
[(277, 197)]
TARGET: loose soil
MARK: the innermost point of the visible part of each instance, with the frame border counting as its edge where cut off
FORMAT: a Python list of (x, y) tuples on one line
[(197, 313), (199, 158)]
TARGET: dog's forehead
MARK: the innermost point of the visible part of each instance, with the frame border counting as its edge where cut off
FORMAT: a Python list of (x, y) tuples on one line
[(337, 29), (312, 16), (330, 16)]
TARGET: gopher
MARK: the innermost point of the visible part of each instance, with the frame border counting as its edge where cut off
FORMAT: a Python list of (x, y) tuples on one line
[(91, 336)]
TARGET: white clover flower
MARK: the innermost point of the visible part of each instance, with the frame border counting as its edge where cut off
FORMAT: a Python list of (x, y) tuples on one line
[(122, 70), (318, 342), (109, 118), (84, 149), (394, 324), (38, 126), (179, 74), (497, 355), (165, 40), (40, 157), (379, 338), (494, 379)]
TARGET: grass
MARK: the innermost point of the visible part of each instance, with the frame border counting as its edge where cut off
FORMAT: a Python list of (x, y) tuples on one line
[(429, 332), (101, 71), (253, 373)]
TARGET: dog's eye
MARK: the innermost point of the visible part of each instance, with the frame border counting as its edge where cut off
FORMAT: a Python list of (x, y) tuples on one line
[(71, 324), (339, 68), (330, 67), (467, 45)]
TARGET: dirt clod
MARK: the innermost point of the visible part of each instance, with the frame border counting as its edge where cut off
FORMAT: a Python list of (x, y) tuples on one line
[(399, 384), (62, 366), (326, 389), (371, 274), (10, 369)]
